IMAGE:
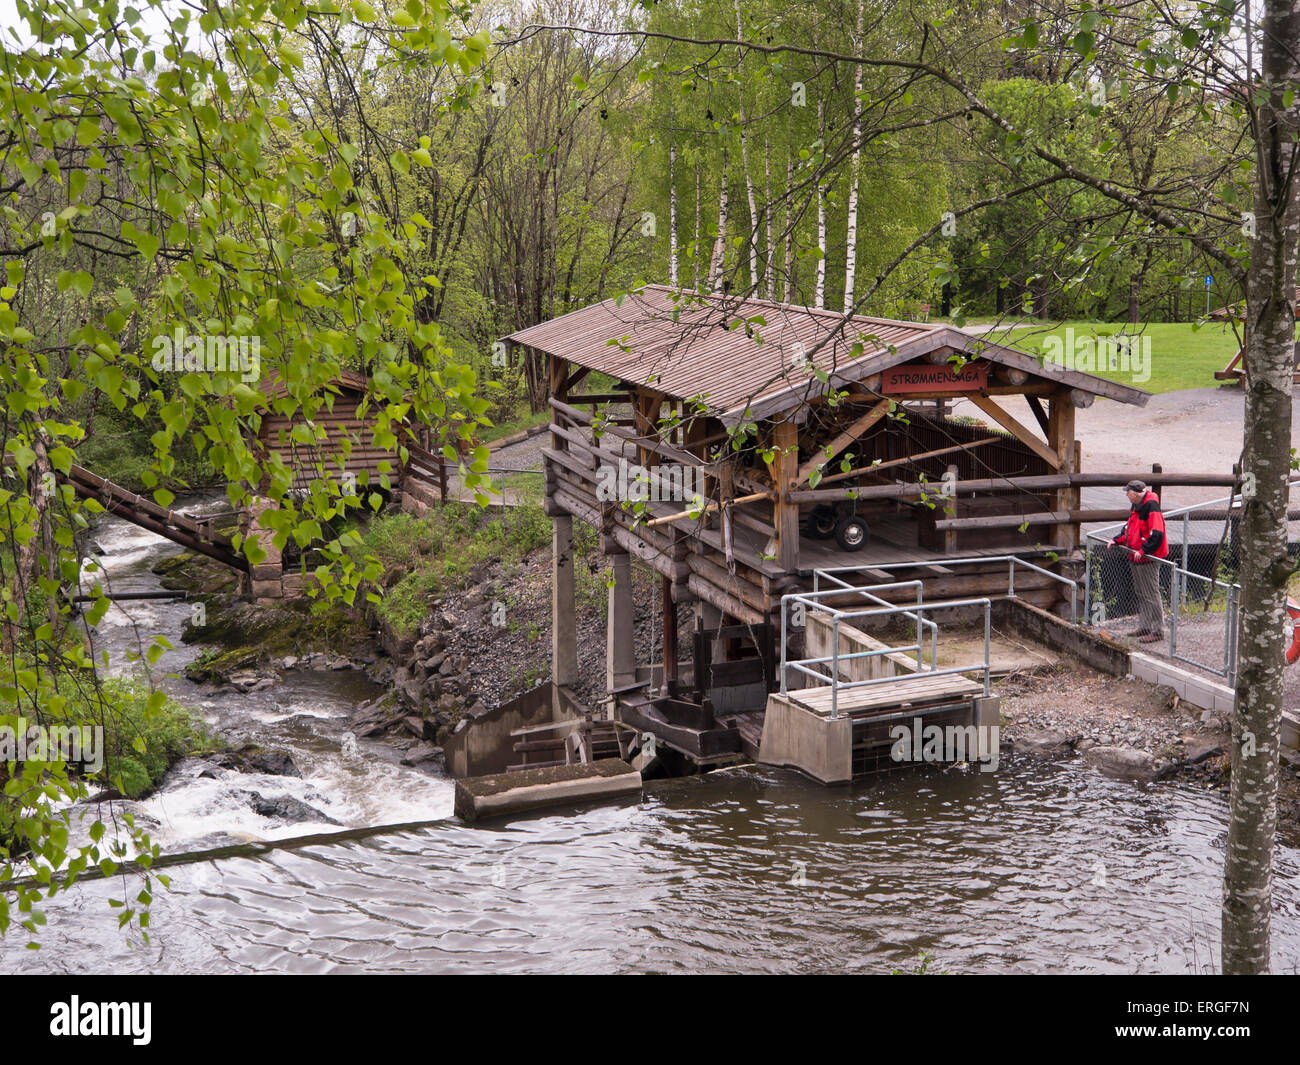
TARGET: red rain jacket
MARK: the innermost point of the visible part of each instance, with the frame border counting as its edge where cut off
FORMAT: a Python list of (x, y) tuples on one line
[(1145, 530)]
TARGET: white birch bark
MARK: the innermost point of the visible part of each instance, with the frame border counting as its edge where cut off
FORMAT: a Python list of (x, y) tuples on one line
[(695, 258), (819, 293), (672, 215), (769, 276), (744, 165), (851, 233), (1265, 569), (787, 272), (717, 265)]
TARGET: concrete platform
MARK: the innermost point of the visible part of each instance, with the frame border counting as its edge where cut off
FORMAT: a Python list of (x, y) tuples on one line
[(503, 794)]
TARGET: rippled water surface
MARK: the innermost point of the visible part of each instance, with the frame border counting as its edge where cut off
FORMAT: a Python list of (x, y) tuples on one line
[(1037, 867)]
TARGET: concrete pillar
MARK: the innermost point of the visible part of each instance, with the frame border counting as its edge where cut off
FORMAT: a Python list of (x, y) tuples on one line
[(564, 630), (620, 632)]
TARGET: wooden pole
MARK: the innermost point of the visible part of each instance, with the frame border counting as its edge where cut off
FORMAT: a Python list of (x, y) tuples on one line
[(710, 507), (670, 636), (1060, 438), (910, 458), (785, 471)]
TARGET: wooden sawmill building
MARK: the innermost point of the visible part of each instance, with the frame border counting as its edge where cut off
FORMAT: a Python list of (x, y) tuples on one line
[(815, 441)]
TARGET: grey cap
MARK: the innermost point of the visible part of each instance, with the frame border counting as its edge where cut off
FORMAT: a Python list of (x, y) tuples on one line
[(1135, 486)]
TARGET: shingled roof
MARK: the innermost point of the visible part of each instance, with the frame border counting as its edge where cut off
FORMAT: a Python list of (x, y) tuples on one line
[(749, 357)]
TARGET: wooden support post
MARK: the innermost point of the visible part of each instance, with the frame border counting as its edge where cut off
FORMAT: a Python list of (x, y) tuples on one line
[(785, 512), (670, 637), (564, 627), (950, 512), (1060, 438), (702, 659), (620, 633)]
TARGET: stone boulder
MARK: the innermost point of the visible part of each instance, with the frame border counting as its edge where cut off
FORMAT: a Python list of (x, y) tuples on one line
[(1123, 763)]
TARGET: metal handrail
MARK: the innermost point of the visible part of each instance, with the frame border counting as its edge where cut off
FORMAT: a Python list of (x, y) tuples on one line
[(1012, 560), (838, 615), (921, 622), (1178, 585)]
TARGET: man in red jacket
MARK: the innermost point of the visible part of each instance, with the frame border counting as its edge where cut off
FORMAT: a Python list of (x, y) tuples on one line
[(1144, 539)]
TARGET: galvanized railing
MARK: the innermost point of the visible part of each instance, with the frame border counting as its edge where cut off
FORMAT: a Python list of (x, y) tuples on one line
[(1102, 603), (1012, 562), (814, 601), (922, 623)]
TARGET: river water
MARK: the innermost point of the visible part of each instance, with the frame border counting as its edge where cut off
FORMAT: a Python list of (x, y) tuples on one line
[(1038, 867)]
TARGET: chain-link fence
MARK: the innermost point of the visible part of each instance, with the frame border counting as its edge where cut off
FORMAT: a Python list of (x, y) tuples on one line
[(1196, 586)]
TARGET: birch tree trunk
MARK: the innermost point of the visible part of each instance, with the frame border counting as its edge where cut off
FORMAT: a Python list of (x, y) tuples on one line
[(769, 275), (27, 556), (744, 165), (819, 293), (1270, 296), (695, 258), (851, 233), (672, 215), (718, 263), (787, 272)]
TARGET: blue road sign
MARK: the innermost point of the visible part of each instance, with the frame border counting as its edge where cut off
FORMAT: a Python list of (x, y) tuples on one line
[(1209, 280)]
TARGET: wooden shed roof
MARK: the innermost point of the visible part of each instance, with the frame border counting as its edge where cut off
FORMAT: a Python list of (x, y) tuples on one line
[(273, 387), (741, 357)]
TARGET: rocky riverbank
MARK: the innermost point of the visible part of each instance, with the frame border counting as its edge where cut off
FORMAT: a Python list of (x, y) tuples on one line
[(477, 647), (489, 641), (1129, 729)]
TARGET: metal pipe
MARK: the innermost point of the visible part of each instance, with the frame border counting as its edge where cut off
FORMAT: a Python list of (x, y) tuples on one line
[(835, 668), (920, 639), (1175, 597), (988, 619), (784, 605), (1087, 581)]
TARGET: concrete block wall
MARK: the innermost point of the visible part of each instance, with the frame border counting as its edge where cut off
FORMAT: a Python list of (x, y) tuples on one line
[(1191, 687), (1200, 691)]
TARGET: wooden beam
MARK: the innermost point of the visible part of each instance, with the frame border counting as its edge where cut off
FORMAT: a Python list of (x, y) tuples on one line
[(601, 397), (1044, 389), (1060, 437), (912, 491), (1040, 415), (910, 458), (708, 508), (575, 377), (785, 512), (677, 455), (1016, 429), (728, 604), (839, 443)]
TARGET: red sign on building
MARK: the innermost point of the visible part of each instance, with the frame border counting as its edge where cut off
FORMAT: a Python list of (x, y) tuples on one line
[(926, 377)]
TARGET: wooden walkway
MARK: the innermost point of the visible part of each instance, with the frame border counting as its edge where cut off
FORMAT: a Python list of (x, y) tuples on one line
[(196, 534), (899, 693)]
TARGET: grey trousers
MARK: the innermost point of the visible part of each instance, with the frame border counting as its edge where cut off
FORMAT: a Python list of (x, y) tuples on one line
[(1146, 583)]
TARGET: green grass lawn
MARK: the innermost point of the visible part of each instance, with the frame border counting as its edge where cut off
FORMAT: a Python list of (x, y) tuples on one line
[(1179, 355)]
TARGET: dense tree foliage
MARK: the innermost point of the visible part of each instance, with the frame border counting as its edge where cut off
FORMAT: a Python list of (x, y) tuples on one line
[(389, 187)]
